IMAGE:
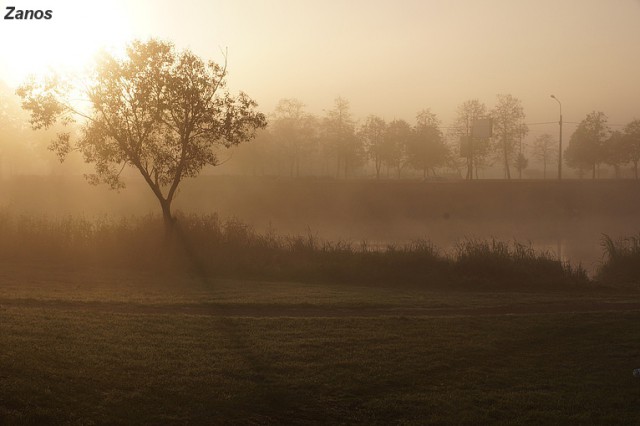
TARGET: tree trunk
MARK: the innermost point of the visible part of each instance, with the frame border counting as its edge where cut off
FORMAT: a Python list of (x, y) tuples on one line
[(506, 160), (169, 220), (635, 168), (593, 171)]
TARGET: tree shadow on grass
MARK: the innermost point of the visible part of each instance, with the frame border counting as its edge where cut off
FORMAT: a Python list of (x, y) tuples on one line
[(273, 398)]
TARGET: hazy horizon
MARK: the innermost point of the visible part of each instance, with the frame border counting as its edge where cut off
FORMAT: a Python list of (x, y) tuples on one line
[(389, 59)]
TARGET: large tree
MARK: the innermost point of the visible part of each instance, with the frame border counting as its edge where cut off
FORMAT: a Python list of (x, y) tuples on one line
[(161, 111), (585, 150), (508, 128)]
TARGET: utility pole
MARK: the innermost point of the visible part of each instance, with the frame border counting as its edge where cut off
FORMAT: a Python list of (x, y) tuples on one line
[(560, 146)]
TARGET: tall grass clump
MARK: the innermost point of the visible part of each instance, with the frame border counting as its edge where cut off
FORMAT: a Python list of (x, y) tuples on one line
[(500, 264), (621, 260)]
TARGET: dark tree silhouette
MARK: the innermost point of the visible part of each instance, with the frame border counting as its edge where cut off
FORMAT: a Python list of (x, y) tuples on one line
[(158, 110), (614, 152), (427, 149), (585, 150)]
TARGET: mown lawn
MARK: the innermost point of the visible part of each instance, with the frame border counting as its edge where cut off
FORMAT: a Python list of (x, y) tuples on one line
[(88, 366)]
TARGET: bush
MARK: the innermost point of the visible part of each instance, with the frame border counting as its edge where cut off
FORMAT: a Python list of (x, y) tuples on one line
[(621, 264)]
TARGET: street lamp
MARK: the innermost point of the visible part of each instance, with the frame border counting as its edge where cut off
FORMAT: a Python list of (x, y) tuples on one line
[(560, 146)]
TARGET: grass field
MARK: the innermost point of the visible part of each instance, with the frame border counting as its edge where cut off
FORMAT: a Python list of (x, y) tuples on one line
[(97, 346)]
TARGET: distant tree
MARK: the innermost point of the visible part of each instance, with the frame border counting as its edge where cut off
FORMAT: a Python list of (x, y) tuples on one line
[(258, 158), (632, 142), (160, 111), (614, 151), (543, 150), (521, 163), (427, 148), (396, 141), (338, 134), (585, 150), (508, 127), (295, 132), (372, 135), (467, 113)]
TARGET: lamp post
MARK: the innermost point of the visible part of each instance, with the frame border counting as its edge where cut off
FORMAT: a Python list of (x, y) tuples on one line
[(560, 146)]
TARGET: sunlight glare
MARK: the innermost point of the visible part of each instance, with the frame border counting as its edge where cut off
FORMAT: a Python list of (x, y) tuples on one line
[(66, 43)]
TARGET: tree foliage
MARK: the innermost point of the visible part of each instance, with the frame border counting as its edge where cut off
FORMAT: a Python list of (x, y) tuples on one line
[(509, 128), (396, 140), (543, 150), (427, 149), (372, 135), (615, 151), (295, 131), (586, 146), (339, 134), (476, 153)]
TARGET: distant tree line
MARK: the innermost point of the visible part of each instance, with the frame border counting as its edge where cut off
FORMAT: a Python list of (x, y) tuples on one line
[(297, 143)]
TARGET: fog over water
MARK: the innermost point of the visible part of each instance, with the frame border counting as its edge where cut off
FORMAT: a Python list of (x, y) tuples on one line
[(568, 217)]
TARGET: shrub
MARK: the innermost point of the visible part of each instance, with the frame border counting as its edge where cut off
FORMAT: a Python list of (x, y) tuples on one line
[(621, 263)]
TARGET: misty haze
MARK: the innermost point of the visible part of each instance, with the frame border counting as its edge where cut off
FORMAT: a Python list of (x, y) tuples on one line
[(421, 212)]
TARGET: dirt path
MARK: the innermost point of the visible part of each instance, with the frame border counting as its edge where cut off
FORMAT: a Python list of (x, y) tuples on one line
[(318, 311)]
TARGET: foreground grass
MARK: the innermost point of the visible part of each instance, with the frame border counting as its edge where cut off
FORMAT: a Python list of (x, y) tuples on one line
[(64, 363), (58, 367)]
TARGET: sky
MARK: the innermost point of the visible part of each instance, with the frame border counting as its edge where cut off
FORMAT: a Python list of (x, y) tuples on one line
[(389, 58)]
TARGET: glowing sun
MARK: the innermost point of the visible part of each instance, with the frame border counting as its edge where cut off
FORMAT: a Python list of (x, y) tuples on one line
[(66, 42)]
